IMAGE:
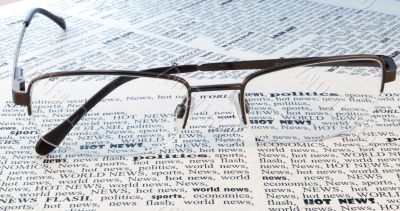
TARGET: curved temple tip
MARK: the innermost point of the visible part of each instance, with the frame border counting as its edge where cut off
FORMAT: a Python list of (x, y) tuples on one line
[(62, 23), (52, 139), (58, 20), (43, 148)]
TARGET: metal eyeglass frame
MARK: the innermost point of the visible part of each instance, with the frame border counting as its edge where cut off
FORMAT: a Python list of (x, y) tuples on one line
[(48, 142)]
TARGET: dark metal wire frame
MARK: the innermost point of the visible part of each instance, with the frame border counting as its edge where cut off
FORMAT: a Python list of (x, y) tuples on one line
[(52, 139)]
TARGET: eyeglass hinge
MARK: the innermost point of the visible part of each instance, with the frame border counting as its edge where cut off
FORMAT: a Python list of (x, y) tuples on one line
[(19, 80), (390, 69), (390, 76), (18, 88)]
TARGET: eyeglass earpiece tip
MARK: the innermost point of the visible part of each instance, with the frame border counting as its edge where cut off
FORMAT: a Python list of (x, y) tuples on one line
[(43, 148)]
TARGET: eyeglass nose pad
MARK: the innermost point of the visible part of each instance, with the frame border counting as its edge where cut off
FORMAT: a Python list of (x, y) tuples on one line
[(179, 113), (234, 98), (246, 106)]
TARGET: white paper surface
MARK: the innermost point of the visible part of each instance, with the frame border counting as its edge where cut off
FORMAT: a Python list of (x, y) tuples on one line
[(224, 167)]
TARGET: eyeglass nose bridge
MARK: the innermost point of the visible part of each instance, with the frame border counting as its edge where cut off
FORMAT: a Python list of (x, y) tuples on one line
[(240, 109), (183, 112)]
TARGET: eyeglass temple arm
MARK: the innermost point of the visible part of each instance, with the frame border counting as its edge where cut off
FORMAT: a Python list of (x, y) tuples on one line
[(18, 81), (52, 139), (388, 64), (275, 63)]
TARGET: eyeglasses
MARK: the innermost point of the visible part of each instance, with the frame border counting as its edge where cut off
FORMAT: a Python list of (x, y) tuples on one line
[(135, 112)]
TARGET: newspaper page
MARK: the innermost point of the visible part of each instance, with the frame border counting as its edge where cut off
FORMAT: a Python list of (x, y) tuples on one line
[(214, 163)]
